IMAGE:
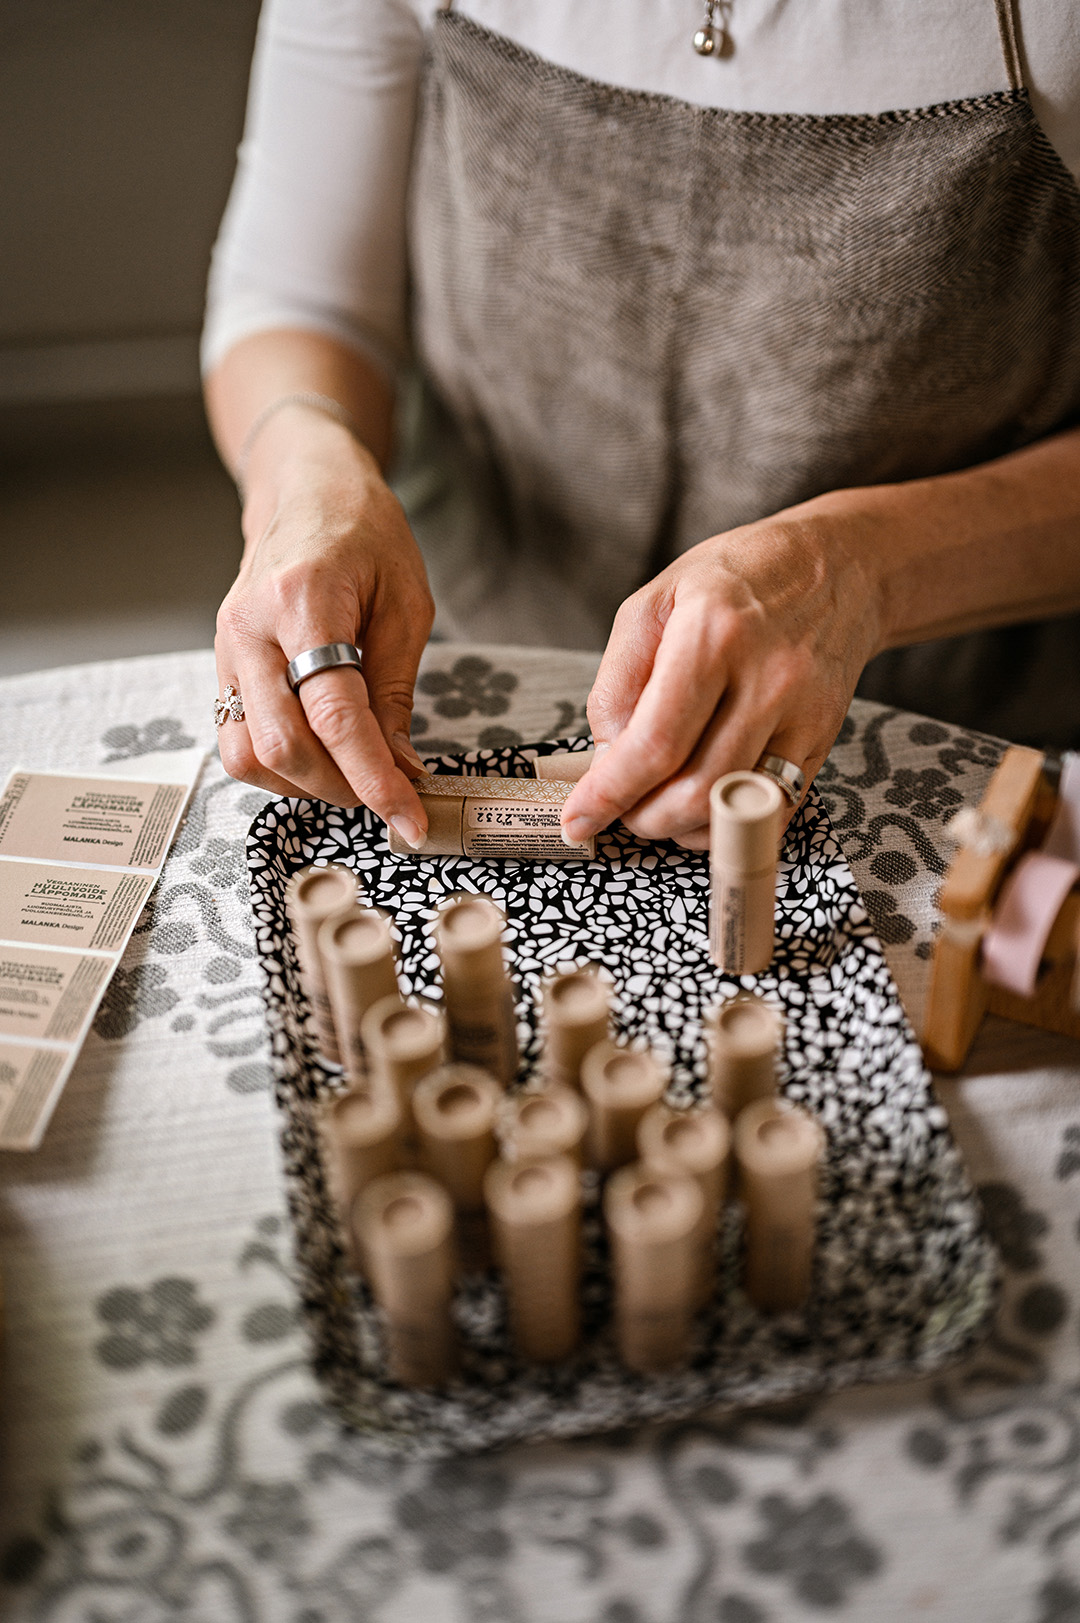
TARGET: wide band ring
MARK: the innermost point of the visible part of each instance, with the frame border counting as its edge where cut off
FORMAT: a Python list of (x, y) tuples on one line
[(790, 778), (326, 658)]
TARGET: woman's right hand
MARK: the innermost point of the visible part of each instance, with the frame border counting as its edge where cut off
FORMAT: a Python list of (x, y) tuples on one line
[(328, 557)]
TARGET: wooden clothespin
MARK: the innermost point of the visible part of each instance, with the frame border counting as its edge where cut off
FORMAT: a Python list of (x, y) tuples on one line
[(1010, 935)]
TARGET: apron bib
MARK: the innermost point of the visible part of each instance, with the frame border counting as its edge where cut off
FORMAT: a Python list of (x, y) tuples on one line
[(641, 322)]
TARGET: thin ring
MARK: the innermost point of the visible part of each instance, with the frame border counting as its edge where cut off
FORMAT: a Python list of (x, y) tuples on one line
[(326, 658), (790, 778), (230, 708)]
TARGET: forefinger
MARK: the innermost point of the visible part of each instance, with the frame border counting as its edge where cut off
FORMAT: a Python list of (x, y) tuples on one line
[(676, 705)]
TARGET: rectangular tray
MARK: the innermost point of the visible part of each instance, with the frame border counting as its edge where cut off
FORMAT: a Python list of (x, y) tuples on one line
[(904, 1273)]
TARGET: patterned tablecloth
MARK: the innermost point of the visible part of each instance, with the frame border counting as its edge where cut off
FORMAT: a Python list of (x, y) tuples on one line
[(165, 1454)]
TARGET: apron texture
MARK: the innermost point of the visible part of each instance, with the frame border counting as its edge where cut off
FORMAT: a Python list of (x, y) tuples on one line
[(640, 322)]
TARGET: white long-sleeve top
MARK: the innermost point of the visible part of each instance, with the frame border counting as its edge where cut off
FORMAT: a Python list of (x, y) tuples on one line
[(314, 233)]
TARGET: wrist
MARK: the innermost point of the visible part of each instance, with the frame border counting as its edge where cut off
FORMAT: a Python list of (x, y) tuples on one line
[(856, 536), (303, 458)]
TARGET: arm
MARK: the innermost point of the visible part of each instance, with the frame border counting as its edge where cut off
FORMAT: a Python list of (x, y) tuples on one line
[(755, 639)]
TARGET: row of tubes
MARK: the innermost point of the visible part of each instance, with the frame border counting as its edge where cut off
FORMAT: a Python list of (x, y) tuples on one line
[(433, 1165)]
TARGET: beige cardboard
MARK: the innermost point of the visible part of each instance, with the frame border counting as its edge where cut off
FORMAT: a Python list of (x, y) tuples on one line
[(114, 822), (51, 906), (48, 994)]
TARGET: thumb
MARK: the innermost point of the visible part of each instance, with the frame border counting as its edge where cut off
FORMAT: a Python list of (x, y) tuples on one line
[(393, 645)]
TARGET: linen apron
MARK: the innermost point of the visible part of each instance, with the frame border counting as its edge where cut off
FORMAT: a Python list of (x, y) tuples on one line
[(641, 322)]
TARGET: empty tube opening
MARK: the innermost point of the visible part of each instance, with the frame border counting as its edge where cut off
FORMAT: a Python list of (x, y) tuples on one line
[(457, 1100), (403, 1213)]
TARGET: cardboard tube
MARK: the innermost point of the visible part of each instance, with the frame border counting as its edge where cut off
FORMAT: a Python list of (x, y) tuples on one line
[(403, 1042), (535, 1213), (696, 1142), (745, 816), (619, 1085), (577, 1012), (504, 819), (778, 1150), (654, 1220), (405, 1231), (455, 1109), (534, 1126), (481, 1023), (362, 1131), (565, 766), (357, 952), (312, 896), (743, 1037)]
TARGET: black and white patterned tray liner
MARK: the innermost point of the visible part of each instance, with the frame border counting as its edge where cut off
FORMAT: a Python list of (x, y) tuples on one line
[(905, 1276)]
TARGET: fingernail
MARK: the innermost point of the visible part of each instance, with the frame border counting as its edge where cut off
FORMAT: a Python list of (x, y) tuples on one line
[(405, 750), (410, 832), (578, 830)]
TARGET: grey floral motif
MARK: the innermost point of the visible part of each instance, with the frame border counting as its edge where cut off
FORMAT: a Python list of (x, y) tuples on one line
[(156, 1325), (455, 1516), (419, 731), (163, 733), (1059, 1601), (221, 863), (471, 685), (270, 1520), (138, 993), (815, 1545), (1012, 1224), (928, 794), (891, 925)]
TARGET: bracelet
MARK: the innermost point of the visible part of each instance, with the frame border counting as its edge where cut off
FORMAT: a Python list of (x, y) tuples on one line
[(317, 402)]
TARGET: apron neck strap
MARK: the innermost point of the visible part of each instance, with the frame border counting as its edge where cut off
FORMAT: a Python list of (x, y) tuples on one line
[(1008, 18)]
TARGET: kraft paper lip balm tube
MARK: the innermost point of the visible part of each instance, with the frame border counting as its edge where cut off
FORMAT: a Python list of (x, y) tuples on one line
[(535, 1216), (778, 1151), (654, 1220), (455, 1109), (743, 1037), (576, 1008), (619, 1085), (745, 815), (405, 1232), (565, 766), (552, 1121), (505, 819), (697, 1142), (403, 1042), (362, 1131), (357, 952), (481, 1023), (312, 896)]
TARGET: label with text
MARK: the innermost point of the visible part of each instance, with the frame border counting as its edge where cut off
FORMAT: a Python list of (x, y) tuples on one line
[(529, 830), (69, 907), (109, 822)]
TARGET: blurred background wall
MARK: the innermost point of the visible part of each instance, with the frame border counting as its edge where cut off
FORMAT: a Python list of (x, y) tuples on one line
[(119, 121)]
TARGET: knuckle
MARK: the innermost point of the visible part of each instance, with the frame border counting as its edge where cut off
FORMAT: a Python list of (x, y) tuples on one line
[(331, 714), (278, 749)]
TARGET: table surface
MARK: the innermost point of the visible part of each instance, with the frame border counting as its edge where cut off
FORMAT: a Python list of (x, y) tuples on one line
[(164, 1452)]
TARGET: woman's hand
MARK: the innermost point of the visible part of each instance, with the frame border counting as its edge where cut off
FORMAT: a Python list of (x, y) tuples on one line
[(328, 557), (751, 643)]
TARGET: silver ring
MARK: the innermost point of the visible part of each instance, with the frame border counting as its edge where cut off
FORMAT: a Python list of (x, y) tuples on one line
[(230, 708), (326, 658), (790, 778)]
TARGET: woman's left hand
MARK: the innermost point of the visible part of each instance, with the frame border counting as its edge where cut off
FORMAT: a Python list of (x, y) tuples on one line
[(749, 644)]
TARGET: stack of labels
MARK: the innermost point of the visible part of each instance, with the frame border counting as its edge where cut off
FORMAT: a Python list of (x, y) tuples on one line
[(481, 1024), (743, 1038), (403, 1042), (535, 1213), (357, 952), (311, 897), (745, 816), (536, 1125), (455, 1109), (654, 1220), (405, 1226), (778, 1151), (697, 1143), (576, 1014), (619, 1086)]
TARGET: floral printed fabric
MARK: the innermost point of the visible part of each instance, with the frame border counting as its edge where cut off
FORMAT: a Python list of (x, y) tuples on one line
[(200, 1475)]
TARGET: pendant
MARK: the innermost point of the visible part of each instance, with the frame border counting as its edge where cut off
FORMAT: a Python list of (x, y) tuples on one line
[(711, 38)]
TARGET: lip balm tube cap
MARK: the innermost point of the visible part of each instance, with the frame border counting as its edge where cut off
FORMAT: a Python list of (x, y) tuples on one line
[(745, 812)]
